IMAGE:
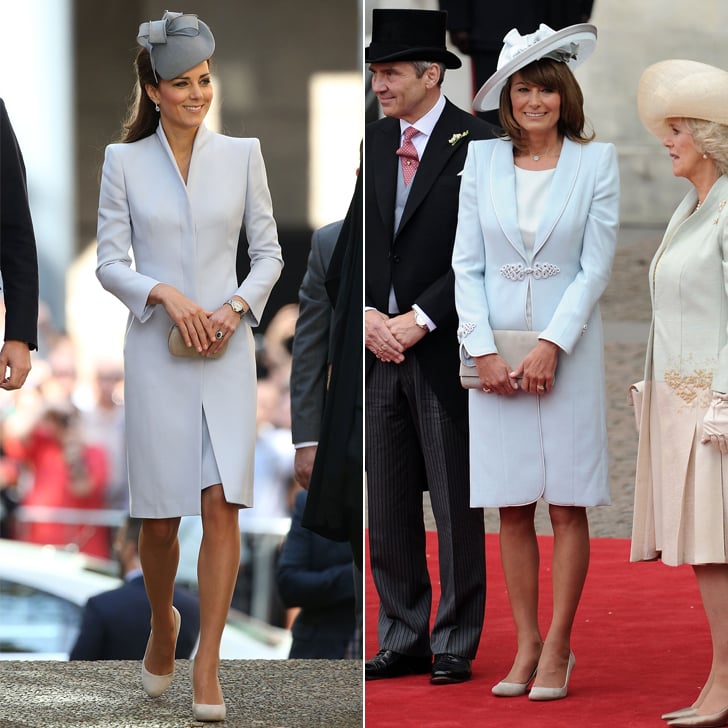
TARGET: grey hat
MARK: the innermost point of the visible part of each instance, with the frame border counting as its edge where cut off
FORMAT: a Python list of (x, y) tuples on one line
[(176, 43)]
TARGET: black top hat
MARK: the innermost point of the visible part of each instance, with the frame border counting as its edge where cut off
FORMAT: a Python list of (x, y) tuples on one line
[(409, 35)]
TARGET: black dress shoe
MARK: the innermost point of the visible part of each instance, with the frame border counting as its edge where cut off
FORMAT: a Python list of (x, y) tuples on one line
[(449, 668), (387, 663)]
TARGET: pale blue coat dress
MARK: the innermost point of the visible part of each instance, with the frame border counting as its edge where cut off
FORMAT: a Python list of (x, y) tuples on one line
[(526, 447), (186, 235)]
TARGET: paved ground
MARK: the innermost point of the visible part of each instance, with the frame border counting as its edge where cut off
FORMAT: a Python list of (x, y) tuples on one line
[(259, 694), (626, 313)]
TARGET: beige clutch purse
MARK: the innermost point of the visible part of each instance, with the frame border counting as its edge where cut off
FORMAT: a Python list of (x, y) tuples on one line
[(512, 346), (177, 347)]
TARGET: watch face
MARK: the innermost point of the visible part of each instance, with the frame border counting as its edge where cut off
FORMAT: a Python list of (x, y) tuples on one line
[(236, 305)]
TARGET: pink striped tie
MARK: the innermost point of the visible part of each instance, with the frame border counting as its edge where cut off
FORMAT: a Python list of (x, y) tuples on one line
[(408, 155)]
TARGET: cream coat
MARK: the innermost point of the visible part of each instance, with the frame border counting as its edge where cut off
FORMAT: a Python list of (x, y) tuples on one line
[(186, 236), (525, 447), (681, 493)]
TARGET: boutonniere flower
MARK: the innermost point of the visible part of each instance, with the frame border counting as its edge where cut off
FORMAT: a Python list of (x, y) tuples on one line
[(455, 138)]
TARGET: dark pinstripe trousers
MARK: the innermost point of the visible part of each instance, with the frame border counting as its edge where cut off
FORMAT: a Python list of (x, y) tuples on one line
[(412, 444)]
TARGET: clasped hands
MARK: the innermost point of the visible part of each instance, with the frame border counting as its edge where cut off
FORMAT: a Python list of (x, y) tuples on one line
[(715, 423), (388, 338), (207, 331), (535, 374)]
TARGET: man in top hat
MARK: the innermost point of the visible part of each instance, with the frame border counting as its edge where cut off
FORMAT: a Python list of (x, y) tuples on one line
[(416, 411)]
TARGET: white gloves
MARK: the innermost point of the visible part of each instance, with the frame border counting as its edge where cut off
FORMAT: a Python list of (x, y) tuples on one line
[(715, 423)]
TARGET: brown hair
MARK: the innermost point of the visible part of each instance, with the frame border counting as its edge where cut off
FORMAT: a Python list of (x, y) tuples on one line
[(555, 75), (142, 118)]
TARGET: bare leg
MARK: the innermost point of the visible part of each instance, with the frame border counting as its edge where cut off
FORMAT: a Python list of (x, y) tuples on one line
[(159, 557), (569, 567), (520, 559), (217, 569), (713, 584)]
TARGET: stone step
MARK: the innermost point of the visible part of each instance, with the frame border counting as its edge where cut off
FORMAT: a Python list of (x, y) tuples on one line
[(106, 694)]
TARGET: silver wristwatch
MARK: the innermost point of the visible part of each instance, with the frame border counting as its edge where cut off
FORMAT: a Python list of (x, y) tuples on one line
[(421, 321), (236, 306)]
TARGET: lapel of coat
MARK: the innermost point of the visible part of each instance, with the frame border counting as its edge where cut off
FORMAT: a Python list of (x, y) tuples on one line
[(437, 153), (385, 141), (562, 187), (199, 142), (502, 184)]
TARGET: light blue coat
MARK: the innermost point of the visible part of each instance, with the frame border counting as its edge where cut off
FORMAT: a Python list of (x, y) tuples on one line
[(186, 235), (525, 447)]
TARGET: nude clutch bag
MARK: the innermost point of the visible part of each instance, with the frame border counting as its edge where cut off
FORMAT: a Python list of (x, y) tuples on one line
[(177, 347), (511, 345)]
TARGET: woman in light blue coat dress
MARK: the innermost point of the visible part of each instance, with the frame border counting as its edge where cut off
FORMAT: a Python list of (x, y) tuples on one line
[(681, 489), (173, 197), (536, 235)]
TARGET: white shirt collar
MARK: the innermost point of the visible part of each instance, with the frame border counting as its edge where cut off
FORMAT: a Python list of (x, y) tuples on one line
[(426, 123)]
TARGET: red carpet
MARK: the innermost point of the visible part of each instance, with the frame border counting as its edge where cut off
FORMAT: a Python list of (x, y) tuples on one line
[(641, 643)]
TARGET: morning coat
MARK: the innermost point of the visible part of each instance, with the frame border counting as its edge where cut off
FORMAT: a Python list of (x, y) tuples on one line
[(416, 259), (525, 447), (186, 236)]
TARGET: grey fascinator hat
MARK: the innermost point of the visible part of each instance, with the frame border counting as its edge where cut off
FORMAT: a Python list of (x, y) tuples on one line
[(176, 43)]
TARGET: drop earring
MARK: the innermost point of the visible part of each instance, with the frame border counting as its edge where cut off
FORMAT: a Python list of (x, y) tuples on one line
[(156, 108)]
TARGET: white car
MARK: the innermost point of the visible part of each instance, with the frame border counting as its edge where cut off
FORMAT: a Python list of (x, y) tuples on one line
[(43, 590)]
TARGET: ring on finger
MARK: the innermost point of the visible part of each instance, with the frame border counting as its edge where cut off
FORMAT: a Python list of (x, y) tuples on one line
[(486, 390), (219, 335), (540, 387)]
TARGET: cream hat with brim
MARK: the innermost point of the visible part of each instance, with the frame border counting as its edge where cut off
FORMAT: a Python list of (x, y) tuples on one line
[(572, 45), (677, 89)]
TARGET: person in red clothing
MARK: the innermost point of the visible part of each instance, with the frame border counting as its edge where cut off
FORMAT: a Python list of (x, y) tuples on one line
[(66, 473)]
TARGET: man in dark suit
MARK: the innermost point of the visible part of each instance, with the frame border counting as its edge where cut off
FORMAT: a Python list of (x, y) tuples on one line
[(115, 624), (18, 262), (416, 411), (310, 355), (312, 361), (316, 574)]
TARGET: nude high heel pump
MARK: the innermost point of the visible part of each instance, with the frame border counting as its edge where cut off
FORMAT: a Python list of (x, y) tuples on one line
[(695, 720), (539, 693), (505, 689), (208, 713), (155, 685), (681, 713)]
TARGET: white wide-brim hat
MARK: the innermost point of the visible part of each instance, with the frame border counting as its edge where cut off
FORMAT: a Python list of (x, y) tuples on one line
[(678, 89), (572, 45)]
